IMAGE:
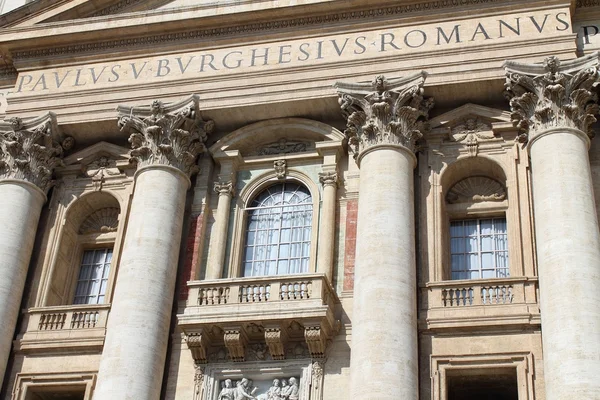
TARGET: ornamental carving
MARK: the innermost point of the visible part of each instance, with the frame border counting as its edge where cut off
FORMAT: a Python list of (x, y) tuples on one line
[(29, 150), (552, 94), (245, 388), (470, 132), (236, 341), (328, 178), (280, 167), (104, 220), (476, 189), (384, 112), (100, 169), (162, 134), (284, 146), (276, 339), (224, 188)]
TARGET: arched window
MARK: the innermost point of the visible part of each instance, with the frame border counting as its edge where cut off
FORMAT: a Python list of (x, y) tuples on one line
[(279, 224)]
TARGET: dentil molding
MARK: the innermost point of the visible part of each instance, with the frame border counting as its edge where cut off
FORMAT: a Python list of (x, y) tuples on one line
[(553, 94), (385, 111)]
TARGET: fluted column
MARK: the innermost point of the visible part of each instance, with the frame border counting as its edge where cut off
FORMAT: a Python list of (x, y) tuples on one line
[(329, 180), (384, 122), (28, 156), (218, 243), (554, 106), (166, 141)]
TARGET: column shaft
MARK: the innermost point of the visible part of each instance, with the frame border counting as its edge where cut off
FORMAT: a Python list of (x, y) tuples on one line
[(384, 320), (218, 243), (20, 207), (327, 231), (134, 352), (568, 251)]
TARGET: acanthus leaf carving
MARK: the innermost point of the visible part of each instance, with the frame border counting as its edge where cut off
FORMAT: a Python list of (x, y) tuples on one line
[(29, 150), (551, 94), (162, 134), (384, 112)]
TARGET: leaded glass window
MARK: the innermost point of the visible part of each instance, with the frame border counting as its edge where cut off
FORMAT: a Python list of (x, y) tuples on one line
[(479, 249), (279, 231), (93, 276)]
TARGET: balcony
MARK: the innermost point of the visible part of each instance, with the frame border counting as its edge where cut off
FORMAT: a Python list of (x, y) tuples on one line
[(480, 303), (62, 327), (279, 312)]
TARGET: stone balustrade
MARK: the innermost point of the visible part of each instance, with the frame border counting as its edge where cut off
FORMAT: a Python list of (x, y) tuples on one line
[(64, 327), (480, 302), (248, 290), (236, 312)]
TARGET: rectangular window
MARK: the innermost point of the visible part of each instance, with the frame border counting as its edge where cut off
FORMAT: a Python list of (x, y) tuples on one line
[(93, 276), (479, 249)]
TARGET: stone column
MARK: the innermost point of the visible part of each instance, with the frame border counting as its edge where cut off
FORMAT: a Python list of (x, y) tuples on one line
[(28, 156), (329, 180), (554, 106), (219, 239), (165, 141), (385, 119)]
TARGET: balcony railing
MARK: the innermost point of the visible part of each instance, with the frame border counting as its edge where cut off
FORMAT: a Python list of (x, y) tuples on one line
[(477, 302), (64, 326), (233, 312)]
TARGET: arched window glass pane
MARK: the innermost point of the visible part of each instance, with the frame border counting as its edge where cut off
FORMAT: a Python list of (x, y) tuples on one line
[(279, 231)]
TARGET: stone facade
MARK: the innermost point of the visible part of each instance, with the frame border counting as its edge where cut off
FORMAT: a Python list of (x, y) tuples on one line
[(316, 200)]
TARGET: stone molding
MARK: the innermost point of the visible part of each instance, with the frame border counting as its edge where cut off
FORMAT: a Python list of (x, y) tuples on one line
[(29, 150), (384, 111), (224, 188), (199, 344), (283, 146), (104, 220), (245, 29), (276, 338), (235, 340), (553, 95), (328, 178), (172, 135), (476, 189)]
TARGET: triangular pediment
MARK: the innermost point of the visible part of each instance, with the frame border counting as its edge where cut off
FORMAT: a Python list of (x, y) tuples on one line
[(469, 111), (96, 151)]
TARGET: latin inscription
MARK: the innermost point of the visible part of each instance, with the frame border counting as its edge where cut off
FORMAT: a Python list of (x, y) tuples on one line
[(297, 53)]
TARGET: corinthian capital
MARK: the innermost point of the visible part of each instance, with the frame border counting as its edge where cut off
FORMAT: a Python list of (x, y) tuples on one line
[(29, 150), (384, 112), (166, 134), (553, 94)]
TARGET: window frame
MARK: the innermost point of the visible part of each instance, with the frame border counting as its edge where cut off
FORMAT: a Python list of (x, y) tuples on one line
[(281, 210), (110, 268), (235, 259), (479, 251), (481, 210), (94, 241)]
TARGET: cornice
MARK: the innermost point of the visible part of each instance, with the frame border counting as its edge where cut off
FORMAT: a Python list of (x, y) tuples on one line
[(244, 29)]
